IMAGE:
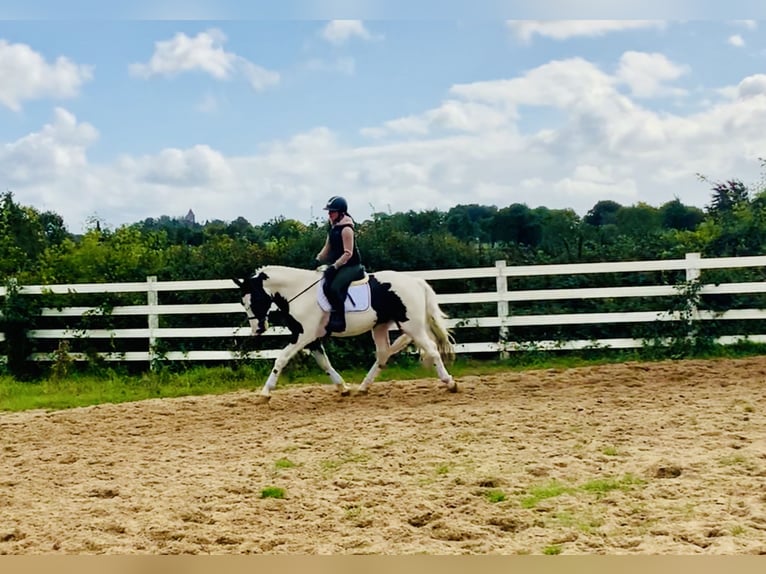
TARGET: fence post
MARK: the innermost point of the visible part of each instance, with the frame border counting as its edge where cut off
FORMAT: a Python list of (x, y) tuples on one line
[(152, 300), (501, 282), (692, 266), (692, 276)]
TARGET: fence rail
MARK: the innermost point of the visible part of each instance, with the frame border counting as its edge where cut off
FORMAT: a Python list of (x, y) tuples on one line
[(504, 296)]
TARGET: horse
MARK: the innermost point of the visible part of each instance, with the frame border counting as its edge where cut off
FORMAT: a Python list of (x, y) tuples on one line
[(374, 304)]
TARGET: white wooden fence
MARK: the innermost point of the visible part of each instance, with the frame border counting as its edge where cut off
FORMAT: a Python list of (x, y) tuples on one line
[(503, 297)]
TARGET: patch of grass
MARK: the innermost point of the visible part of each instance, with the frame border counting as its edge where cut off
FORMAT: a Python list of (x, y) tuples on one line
[(552, 550), (603, 485), (737, 530), (599, 486), (273, 492), (284, 463), (80, 389), (495, 495), (442, 469), (610, 451), (540, 493)]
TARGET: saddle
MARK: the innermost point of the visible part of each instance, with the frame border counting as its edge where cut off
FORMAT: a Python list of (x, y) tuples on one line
[(358, 298)]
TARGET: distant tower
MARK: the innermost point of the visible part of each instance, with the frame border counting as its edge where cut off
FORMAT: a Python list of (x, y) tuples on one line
[(190, 217)]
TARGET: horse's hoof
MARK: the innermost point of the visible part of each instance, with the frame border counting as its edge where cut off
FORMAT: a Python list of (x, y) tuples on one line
[(361, 391), (452, 388), (345, 393), (263, 399)]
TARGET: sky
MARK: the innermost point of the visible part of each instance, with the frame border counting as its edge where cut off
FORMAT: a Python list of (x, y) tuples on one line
[(117, 119)]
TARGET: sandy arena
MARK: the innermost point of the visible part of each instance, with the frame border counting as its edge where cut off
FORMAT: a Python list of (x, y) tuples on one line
[(660, 458)]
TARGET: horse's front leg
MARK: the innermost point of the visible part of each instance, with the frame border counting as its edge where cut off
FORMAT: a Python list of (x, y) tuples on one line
[(320, 356), (279, 364)]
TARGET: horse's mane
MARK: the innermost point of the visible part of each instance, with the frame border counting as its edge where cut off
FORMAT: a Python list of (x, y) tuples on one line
[(284, 275), (281, 269)]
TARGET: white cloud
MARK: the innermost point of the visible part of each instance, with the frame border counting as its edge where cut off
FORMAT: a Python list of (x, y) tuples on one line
[(595, 183), (559, 83), (340, 31), (258, 77), (736, 40), (204, 52), (58, 149), (49, 169), (453, 115), (183, 54), (197, 166), (752, 86), (26, 75), (475, 145), (525, 30), (645, 74)]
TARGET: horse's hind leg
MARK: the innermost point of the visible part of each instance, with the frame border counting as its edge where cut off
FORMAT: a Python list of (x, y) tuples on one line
[(431, 352), (320, 356), (383, 351)]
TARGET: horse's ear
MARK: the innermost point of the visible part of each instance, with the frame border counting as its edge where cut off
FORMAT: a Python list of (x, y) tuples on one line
[(240, 282)]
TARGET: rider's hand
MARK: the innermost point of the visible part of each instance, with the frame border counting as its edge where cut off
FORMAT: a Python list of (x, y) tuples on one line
[(330, 273)]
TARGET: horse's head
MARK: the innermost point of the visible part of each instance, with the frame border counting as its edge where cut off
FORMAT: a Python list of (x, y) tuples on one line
[(256, 301)]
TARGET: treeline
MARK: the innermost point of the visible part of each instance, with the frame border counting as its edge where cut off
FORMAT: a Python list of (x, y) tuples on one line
[(37, 248)]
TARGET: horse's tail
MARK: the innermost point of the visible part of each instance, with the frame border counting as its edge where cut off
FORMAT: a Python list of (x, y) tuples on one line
[(438, 325)]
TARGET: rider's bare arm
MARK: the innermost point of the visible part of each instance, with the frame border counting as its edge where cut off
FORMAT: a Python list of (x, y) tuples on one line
[(348, 247)]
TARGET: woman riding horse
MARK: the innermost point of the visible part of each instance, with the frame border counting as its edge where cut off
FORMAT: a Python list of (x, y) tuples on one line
[(345, 266)]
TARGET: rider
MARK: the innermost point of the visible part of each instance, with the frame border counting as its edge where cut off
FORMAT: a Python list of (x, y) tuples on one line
[(345, 263)]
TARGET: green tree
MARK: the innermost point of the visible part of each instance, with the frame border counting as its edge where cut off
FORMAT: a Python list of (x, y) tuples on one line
[(517, 224), (104, 256), (604, 212), (471, 222), (727, 197), (736, 226), (638, 221), (282, 228), (676, 215), (25, 234), (178, 231), (560, 233)]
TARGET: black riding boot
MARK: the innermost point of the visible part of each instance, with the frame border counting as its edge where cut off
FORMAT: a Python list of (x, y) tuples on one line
[(337, 323)]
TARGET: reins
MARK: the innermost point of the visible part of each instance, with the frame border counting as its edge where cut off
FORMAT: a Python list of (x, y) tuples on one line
[(306, 289)]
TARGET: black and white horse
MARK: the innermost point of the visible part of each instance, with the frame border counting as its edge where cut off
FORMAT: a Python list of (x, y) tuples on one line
[(376, 303)]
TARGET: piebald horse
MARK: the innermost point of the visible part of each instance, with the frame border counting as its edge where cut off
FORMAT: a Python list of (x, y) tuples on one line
[(376, 303)]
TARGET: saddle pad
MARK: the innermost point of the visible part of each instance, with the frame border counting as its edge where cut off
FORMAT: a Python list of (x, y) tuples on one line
[(359, 293)]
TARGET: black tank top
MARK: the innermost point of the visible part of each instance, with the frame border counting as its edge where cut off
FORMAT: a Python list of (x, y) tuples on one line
[(336, 245)]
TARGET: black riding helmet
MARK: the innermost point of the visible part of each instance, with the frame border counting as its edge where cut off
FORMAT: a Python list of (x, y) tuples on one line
[(336, 203)]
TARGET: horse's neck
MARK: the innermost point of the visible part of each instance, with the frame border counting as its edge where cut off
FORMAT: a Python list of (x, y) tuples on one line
[(288, 281)]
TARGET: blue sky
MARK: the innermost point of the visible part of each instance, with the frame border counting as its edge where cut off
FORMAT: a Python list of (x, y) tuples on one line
[(121, 120)]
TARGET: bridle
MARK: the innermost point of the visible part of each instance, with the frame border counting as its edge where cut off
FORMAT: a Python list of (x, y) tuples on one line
[(252, 317)]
